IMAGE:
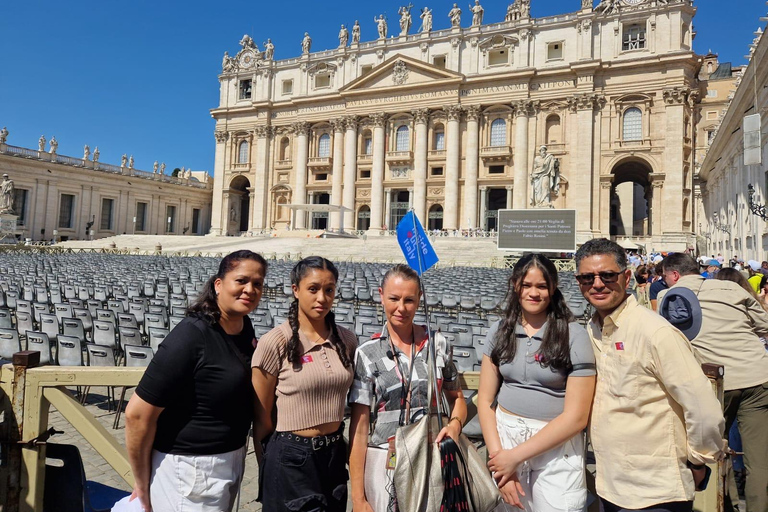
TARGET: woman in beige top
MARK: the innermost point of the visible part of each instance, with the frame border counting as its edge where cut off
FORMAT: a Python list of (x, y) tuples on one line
[(303, 368)]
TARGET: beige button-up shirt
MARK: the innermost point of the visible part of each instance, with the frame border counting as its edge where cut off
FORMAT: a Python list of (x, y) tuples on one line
[(654, 409)]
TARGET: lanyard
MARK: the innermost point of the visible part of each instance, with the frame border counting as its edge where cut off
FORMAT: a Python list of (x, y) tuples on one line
[(405, 385)]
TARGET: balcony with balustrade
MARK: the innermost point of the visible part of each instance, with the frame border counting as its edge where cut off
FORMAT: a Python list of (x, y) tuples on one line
[(399, 157), (320, 163), (494, 154)]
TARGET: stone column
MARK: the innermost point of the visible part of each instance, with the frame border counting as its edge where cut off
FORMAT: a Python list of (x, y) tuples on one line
[(250, 192), (657, 181), (472, 164), (260, 195), (377, 171), (452, 155), (522, 111), (350, 169), (387, 207), (509, 195), (310, 215), (338, 169), (580, 181), (675, 103), (301, 129), (226, 200), (605, 205), (483, 207), (421, 148), (410, 197), (219, 219)]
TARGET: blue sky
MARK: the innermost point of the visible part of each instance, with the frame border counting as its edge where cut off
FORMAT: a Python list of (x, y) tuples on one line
[(139, 77)]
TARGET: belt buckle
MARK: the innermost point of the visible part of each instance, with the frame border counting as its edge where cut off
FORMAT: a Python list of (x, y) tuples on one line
[(319, 442)]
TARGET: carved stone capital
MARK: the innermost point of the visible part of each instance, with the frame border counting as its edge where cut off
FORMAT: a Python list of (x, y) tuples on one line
[(379, 119), (694, 97), (221, 137), (351, 122), (300, 128), (525, 107), (453, 112), (585, 101), (472, 113), (455, 42), (338, 124), (525, 34), (264, 131), (420, 115), (676, 95)]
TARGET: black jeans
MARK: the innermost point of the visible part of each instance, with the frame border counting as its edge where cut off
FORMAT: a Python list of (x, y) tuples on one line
[(300, 475), (674, 506)]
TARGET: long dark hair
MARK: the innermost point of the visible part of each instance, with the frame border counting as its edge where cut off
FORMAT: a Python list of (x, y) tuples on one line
[(206, 304), (293, 347), (555, 345)]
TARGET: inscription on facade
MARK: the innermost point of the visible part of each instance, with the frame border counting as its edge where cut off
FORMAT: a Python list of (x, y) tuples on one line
[(403, 97)]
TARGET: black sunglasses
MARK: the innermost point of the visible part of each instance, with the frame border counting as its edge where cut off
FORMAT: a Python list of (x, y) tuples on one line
[(605, 277)]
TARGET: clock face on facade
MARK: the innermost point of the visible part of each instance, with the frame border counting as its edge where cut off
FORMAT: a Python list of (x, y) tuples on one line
[(246, 59)]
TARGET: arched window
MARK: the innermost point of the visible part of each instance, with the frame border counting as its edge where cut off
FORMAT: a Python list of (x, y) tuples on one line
[(633, 124), (435, 217), (498, 132), (364, 218), (553, 129), (439, 144), (324, 146), (242, 153), (284, 149), (401, 139)]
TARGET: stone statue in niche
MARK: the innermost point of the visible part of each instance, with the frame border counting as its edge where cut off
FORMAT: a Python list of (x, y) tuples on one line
[(426, 20), (455, 15), (7, 191), (306, 43), (343, 36), (356, 32), (477, 13), (545, 179), (405, 19), (381, 26)]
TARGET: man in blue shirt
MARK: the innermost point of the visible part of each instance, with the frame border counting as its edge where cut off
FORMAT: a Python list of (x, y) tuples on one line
[(712, 267)]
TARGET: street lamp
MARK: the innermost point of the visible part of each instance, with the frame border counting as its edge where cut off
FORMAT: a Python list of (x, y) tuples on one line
[(756, 209)]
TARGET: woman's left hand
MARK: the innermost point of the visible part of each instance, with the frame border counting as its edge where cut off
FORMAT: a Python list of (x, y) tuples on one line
[(503, 464), (452, 430)]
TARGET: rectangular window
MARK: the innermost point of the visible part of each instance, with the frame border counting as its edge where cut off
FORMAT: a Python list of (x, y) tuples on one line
[(440, 141), (634, 38), (196, 221), (140, 223), (323, 80), (496, 169), (367, 146), (436, 171), (497, 57), (712, 93), (66, 211), (321, 177), (555, 51), (365, 174), (439, 61), (20, 205), (245, 89), (170, 218), (287, 87), (106, 213)]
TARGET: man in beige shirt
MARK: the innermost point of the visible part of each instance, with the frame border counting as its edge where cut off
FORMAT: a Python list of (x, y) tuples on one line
[(732, 322), (655, 419)]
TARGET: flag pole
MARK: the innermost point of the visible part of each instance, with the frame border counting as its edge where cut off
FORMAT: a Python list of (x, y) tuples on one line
[(430, 338)]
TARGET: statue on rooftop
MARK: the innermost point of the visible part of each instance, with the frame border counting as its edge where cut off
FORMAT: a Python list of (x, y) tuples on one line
[(405, 19), (525, 9), (306, 43), (228, 63), (426, 20), (123, 160), (54, 145), (154, 168), (356, 32), (343, 36), (41, 143), (96, 154), (477, 13), (130, 162), (162, 168), (3, 135), (608, 6), (86, 152), (455, 15), (247, 42), (269, 50), (7, 191), (587, 4), (381, 26)]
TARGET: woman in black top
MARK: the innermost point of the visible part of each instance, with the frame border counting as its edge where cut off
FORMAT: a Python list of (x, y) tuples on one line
[(187, 423)]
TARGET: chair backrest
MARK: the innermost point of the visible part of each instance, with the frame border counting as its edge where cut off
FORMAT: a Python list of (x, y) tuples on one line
[(39, 341), (173, 321), (156, 336), (103, 333), (49, 324), (69, 351), (127, 320), (11, 297), (65, 484), (6, 321), (153, 320), (85, 317), (100, 355), (129, 336), (24, 305), (63, 311), (73, 327), (9, 343), (24, 321), (137, 355), (107, 315)]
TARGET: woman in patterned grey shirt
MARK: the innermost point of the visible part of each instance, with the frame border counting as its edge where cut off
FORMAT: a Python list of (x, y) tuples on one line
[(384, 367)]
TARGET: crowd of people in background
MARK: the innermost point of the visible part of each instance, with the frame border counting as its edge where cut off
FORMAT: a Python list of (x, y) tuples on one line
[(631, 384)]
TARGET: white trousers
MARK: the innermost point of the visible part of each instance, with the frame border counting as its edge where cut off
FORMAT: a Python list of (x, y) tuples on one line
[(553, 481), (195, 483)]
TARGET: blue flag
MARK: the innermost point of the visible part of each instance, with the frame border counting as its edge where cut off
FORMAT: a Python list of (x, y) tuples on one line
[(420, 255)]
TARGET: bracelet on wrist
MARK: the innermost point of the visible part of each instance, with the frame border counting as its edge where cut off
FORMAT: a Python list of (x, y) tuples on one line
[(461, 423)]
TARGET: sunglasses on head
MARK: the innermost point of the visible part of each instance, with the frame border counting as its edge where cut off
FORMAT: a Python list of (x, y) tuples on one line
[(605, 277)]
